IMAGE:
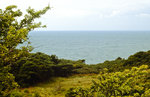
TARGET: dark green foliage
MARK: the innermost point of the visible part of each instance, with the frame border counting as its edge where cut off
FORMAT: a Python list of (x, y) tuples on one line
[(54, 59), (120, 64), (138, 58), (33, 69), (112, 66), (86, 69), (77, 64), (62, 70), (68, 67), (39, 67)]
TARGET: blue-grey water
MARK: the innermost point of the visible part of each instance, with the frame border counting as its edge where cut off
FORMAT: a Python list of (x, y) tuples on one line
[(93, 46)]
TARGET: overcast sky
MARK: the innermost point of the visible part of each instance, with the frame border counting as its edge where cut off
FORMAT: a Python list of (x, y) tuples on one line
[(90, 14)]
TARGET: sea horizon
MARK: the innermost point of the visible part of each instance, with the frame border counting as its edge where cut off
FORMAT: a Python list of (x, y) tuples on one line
[(93, 46)]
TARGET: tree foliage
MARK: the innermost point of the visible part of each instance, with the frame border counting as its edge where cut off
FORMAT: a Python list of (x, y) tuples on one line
[(33, 69), (13, 32), (39, 67)]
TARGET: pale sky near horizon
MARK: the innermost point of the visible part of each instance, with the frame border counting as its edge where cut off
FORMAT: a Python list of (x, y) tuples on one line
[(90, 14)]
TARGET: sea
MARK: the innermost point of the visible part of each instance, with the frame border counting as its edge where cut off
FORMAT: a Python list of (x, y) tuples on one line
[(93, 46)]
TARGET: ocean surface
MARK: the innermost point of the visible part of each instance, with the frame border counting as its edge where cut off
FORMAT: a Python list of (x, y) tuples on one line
[(93, 46)]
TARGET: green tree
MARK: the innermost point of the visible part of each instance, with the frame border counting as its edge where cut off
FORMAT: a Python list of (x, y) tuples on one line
[(12, 33)]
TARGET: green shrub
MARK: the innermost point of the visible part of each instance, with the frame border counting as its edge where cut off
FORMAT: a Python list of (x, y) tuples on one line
[(112, 66), (39, 67), (32, 69), (16, 93), (7, 81), (79, 92), (26, 91), (86, 69), (36, 94), (62, 70), (134, 82), (138, 58)]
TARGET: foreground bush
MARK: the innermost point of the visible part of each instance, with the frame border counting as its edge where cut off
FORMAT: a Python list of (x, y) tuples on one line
[(134, 82), (7, 82)]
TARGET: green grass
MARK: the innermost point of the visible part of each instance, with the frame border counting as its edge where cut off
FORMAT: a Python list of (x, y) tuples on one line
[(57, 87)]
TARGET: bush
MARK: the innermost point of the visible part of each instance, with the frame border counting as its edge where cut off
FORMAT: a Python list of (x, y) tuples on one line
[(62, 70), (134, 82), (79, 92), (87, 69), (138, 58), (39, 67), (112, 66), (33, 69), (16, 93), (7, 81)]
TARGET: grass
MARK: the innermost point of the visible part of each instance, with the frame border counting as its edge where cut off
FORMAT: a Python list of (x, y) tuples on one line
[(57, 87)]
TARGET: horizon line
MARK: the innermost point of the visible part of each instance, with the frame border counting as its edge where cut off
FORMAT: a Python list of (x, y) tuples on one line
[(92, 30)]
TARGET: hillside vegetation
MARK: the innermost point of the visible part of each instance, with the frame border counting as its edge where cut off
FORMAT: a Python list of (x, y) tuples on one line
[(57, 77)]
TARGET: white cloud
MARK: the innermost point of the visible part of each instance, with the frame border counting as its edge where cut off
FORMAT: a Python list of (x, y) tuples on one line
[(85, 12), (24, 4), (143, 15), (73, 8), (62, 13)]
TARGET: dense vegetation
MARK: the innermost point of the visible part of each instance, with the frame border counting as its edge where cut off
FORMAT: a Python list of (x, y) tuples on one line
[(39, 67), (138, 58), (134, 82), (19, 68), (28, 70), (12, 33)]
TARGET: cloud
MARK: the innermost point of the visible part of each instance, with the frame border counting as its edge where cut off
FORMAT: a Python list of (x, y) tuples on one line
[(66, 13), (24, 4), (89, 14), (143, 15)]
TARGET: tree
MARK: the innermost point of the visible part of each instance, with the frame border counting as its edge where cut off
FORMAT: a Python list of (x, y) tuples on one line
[(12, 33)]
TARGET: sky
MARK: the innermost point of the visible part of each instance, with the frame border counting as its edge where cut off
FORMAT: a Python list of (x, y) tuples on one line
[(90, 14)]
